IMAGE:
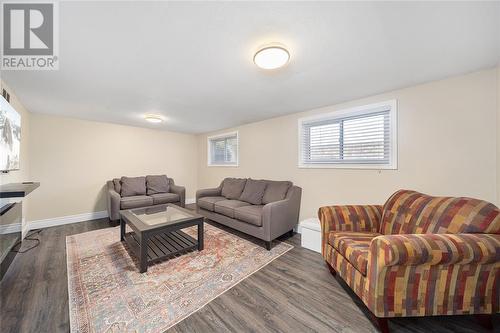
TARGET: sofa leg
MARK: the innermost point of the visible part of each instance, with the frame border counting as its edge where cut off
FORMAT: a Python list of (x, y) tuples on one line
[(268, 245), (290, 233), (383, 324), (484, 320), (332, 270)]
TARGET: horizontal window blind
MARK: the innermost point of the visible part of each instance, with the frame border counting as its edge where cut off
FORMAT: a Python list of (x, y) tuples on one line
[(353, 139), (223, 150)]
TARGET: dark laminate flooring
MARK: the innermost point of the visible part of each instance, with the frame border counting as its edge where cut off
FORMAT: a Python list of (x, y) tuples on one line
[(294, 293)]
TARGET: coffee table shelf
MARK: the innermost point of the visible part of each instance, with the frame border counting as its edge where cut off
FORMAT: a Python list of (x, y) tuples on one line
[(163, 246)]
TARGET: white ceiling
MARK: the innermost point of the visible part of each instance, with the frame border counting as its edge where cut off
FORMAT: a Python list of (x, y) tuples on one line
[(192, 62)]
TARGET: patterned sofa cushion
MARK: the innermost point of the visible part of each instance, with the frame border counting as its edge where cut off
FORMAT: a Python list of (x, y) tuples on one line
[(410, 212), (354, 246)]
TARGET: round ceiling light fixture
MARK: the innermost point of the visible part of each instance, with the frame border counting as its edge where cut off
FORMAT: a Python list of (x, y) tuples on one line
[(271, 57), (152, 118)]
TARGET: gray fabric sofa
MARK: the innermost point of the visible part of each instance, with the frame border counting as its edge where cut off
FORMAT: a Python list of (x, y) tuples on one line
[(137, 192), (264, 209)]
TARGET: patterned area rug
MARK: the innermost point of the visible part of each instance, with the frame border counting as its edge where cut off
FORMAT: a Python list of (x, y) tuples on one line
[(108, 294)]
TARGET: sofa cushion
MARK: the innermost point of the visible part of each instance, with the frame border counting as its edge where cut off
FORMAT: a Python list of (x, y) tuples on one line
[(232, 187), (117, 185), (226, 207), (354, 246), (157, 184), (163, 198), (250, 214), (135, 201), (253, 191), (275, 191), (208, 202), (410, 212), (133, 186)]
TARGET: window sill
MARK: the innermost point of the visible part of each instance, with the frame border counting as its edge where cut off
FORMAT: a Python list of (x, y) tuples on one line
[(223, 165), (349, 166)]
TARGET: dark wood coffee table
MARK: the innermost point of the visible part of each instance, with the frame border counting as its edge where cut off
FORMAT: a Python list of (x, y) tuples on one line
[(156, 232)]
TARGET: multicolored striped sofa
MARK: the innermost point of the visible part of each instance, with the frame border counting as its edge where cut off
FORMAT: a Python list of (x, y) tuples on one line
[(417, 255)]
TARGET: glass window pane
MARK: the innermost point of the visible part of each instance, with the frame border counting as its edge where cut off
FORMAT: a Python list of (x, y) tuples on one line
[(324, 142), (364, 138), (224, 150)]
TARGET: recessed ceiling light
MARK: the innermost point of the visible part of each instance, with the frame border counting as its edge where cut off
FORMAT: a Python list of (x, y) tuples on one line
[(153, 118), (271, 57)]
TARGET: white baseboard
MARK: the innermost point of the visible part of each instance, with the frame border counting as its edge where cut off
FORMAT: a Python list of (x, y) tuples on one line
[(190, 201), (10, 228), (52, 222)]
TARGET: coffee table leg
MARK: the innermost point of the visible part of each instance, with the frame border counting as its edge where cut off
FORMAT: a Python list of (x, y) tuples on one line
[(200, 236), (122, 229), (143, 260)]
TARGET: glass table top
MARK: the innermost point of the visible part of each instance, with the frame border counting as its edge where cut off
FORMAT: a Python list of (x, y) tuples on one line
[(161, 214)]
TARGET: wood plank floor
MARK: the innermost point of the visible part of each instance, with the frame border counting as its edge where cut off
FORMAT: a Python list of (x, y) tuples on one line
[(294, 293)]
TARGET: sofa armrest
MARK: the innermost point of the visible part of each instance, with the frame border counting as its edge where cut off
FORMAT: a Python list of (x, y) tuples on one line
[(281, 216), (363, 218), (181, 191), (113, 202), (435, 249), (208, 192)]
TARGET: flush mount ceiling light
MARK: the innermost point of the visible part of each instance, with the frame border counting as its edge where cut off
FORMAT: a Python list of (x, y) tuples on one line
[(271, 57), (153, 118)]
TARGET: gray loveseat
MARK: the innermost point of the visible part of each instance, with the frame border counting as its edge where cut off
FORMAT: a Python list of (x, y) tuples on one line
[(136, 192), (264, 209)]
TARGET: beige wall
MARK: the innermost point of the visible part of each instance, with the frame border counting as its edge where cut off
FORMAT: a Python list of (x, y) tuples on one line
[(447, 146), (22, 174), (73, 159)]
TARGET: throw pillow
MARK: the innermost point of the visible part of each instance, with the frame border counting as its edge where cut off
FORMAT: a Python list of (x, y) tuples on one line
[(133, 186), (157, 184), (275, 191), (232, 187), (253, 191)]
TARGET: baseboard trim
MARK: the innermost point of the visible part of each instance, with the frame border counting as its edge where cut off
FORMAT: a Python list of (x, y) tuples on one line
[(10, 228), (190, 201), (52, 222)]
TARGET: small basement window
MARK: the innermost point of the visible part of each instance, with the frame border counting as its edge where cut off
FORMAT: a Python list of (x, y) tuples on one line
[(363, 137), (223, 150)]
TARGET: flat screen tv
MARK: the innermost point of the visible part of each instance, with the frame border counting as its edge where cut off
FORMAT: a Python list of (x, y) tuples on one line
[(10, 136)]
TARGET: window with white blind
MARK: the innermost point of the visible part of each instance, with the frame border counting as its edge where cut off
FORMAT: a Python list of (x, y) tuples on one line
[(223, 150), (363, 137)]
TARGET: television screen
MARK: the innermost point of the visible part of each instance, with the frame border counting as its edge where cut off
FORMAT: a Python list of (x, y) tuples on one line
[(10, 136)]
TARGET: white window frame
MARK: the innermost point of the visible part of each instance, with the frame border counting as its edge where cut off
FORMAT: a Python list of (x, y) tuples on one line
[(392, 105), (219, 136)]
